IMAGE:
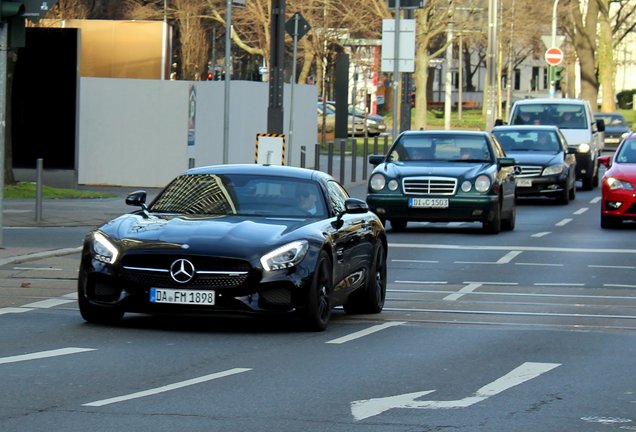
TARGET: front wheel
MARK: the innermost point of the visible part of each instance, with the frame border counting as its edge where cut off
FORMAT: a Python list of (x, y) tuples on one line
[(318, 311), (370, 298), (493, 226), (98, 314)]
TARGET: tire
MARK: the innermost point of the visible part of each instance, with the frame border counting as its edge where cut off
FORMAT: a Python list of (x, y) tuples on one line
[(370, 298), (588, 182), (494, 226), (564, 196), (318, 310), (509, 223), (98, 314), (398, 224), (608, 222)]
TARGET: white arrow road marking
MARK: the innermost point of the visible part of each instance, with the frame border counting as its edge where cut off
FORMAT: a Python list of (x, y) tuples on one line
[(168, 387), (363, 409), (44, 354)]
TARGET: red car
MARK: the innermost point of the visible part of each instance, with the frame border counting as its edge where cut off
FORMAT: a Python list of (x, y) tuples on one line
[(619, 185)]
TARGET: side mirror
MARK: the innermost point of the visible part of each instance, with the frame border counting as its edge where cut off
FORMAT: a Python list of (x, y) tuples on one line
[(605, 160), (600, 125), (499, 122), (376, 159), (138, 199), (506, 161), (352, 206)]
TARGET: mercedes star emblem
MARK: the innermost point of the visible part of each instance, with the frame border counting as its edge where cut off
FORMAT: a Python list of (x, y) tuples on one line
[(182, 271)]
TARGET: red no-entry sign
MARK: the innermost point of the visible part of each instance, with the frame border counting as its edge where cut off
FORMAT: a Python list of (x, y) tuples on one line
[(554, 56)]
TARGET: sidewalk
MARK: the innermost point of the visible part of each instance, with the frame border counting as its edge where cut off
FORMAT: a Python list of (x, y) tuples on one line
[(83, 214)]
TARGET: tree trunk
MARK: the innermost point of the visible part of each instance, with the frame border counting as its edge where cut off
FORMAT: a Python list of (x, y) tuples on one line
[(585, 45), (606, 65)]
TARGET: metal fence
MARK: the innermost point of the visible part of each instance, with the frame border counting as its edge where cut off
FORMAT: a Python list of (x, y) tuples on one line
[(346, 165)]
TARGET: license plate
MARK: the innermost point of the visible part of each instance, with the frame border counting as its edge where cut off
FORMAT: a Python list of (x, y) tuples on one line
[(612, 140), (428, 202), (524, 182), (175, 296)]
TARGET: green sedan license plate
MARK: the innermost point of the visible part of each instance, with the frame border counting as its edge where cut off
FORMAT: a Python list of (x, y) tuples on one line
[(428, 202)]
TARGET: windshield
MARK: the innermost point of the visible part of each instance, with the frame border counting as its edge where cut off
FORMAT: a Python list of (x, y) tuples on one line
[(441, 147), (612, 119), (565, 116), (519, 140), (237, 194), (627, 152)]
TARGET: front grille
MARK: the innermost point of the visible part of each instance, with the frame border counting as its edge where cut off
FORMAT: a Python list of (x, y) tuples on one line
[(210, 272), (429, 185), (162, 279), (528, 171)]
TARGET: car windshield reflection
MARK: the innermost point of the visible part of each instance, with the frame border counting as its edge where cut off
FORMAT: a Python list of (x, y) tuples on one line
[(442, 148)]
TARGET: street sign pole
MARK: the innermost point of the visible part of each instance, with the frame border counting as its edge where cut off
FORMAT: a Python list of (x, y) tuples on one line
[(396, 69), (3, 114), (554, 27)]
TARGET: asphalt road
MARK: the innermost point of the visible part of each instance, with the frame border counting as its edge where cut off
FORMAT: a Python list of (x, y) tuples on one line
[(526, 330)]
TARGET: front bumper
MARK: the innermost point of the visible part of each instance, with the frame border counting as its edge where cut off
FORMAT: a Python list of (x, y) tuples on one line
[(542, 185), (627, 207), (460, 208)]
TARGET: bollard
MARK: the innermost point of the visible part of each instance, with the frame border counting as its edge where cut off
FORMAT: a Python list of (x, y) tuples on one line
[(303, 151), (365, 158), (38, 189), (330, 158), (317, 158), (354, 159), (343, 143), (190, 163)]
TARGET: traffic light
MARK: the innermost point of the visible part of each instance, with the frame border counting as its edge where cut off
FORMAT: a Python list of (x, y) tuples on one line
[(557, 75), (210, 76), (11, 14)]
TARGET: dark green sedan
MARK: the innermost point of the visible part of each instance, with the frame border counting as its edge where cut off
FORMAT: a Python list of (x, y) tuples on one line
[(444, 176)]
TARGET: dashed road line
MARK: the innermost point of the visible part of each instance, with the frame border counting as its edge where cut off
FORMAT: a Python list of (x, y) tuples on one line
[(44, 354), (365, 332)]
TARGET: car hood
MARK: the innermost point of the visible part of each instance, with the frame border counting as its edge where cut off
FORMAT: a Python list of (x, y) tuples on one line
[(442, 169), (536, 158), (225, 235), (623, 171)]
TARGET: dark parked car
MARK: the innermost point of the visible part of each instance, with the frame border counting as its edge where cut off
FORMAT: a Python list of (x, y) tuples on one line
[(616, 128), (444, 176), (237, 239), (545, 166), (618, 202)]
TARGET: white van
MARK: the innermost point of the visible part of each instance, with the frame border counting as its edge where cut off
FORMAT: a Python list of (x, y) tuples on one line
[(575, 119)]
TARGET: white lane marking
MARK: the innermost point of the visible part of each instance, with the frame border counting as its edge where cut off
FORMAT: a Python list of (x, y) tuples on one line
[(422, 282), (168, 387), (416, 261), (365, 332), (563, 222), (540, 264), (9, 310), (595, 200), (508, 248), (491, 283), (558, 284), (44, 354), (38, 268), (619, 286), (611, 266), (508, 257), (475, 262), (42, 304), (465, 290), (527, 294), (48, 303), (362, 409), (504, 313), (541, 234), (581, 210)]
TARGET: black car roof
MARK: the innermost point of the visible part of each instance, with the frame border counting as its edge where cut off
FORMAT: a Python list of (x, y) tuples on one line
[(262, 170)]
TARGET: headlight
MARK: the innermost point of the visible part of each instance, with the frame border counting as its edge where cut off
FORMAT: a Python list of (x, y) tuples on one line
[(372, 122), (615, 184), (482, 183), (393, 185), (554, 169), (583, 148), (285, 256), (466, 186), (103, 249), (377, 182)]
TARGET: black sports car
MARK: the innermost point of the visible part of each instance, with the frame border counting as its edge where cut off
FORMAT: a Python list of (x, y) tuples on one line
[(545, 166), (238, 239), (444, 176)]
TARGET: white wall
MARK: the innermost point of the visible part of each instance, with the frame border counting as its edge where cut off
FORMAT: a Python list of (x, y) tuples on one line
[(134, 132)]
